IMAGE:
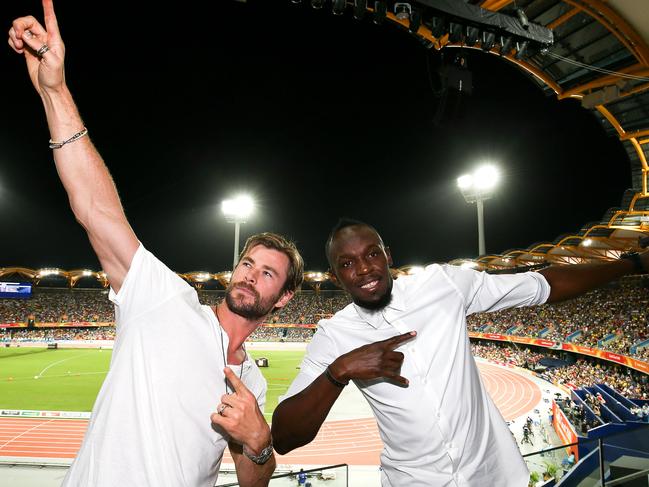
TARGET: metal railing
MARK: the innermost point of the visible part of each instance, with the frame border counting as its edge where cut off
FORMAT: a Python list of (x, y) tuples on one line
[(331, 476)]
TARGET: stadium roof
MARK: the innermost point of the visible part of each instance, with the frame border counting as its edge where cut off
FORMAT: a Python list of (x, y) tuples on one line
[(594, 51)]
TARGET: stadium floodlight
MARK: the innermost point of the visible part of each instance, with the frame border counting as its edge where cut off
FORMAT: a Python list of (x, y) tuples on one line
[(237, 211), (476, 188)]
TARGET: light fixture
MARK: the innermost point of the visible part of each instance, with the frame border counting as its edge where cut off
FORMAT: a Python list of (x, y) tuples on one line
[(237, 211), (488, 41), (437, 27), (380, 11), (455, 33), (521, 49), (472, 36), (338, 7), (525, 23), (360, 7), (476, 188), (505, 45), (415, 21), (402, 10)]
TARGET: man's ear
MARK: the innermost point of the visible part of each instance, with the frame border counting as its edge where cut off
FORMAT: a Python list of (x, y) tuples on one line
[(333, 278), (284, 299), (388, 255)]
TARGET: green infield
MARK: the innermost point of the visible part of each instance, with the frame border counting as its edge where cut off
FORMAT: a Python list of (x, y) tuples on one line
[(69, 379)]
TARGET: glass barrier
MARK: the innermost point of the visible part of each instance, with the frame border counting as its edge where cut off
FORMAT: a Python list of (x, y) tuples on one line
[(611, 455), (332, 476)]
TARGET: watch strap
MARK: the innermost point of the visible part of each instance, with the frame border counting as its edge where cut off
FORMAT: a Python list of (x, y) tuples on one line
[(263, 456)]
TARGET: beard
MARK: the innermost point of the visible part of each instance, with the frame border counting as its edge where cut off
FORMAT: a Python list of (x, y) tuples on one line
[(381, 303), (254, 310)]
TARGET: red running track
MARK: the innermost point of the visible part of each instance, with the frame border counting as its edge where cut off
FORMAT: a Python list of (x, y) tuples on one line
[(355, 442)]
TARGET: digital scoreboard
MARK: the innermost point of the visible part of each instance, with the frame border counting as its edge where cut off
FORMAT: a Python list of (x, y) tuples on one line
[(15, 290)]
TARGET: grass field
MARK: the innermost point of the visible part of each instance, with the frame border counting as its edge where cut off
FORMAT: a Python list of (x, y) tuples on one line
[(69, 379)]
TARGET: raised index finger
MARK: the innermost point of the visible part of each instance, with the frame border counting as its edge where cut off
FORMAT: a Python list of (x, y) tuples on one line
[(237, 385), (51, 25), (395, 341)]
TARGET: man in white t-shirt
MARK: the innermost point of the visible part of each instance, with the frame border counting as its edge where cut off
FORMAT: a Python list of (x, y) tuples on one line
[(175, 362), (437, 422)]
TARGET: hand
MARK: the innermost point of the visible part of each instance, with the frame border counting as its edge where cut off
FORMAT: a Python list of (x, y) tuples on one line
[(27, 36), (239, 415), (373, 361)]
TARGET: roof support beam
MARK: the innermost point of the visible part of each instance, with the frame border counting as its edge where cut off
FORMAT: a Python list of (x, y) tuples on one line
[(564, 18), (608, 80), (619, 27), (495, 5)]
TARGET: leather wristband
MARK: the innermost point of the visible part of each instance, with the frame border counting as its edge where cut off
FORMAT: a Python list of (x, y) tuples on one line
[(634, 257), (333, 380)]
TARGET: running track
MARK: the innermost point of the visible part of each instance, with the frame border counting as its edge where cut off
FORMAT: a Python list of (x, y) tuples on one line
[(355, 442)]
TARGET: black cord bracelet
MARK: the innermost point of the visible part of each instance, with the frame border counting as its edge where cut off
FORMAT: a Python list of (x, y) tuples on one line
[(333, 380)]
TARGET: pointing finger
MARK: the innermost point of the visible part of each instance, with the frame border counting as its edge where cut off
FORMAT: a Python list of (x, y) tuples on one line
[(398, 379), (395, 341), (51, 24), (237, 385)]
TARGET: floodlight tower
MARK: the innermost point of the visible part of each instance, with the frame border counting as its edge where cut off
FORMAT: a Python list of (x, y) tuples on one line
[(237, 211), (476, 188)]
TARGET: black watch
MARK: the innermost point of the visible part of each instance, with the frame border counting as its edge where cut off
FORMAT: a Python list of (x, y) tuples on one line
[(263, 457), (634, 257)]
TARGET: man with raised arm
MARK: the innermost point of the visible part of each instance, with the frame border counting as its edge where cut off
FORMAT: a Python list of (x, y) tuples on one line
[(404, 343), (174, 361)]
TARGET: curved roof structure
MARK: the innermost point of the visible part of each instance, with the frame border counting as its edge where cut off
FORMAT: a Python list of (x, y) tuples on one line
[(595, 51)]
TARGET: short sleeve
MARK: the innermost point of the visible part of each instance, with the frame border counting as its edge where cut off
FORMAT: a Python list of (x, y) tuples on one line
[(148, 283), (320, 352), (483, 292)]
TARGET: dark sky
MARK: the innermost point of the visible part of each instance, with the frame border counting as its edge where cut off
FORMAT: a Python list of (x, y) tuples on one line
[(318, 116)]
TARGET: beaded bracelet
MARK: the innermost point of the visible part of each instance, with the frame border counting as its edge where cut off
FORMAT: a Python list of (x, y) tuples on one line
[(333, 380), (77, 136)]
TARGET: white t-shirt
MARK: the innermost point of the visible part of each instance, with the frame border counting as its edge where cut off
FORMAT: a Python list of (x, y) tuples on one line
[(443, 429), (150, 424)]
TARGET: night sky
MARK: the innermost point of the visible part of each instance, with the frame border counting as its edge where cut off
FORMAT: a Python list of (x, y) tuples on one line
[(318, 116)]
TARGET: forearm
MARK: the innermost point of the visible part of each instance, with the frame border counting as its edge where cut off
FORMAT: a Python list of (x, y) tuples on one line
[(249, 474), (81, 169), (311, 406), (569, 281), (90, 188)]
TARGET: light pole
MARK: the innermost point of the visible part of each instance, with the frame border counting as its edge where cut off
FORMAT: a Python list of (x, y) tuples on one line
[(237, 211), (476, 188)]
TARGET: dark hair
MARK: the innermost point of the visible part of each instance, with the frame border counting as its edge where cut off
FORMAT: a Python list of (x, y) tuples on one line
[(345, 222), (295, 273)]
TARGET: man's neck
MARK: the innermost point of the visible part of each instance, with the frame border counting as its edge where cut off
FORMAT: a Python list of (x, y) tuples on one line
[(237, 327)]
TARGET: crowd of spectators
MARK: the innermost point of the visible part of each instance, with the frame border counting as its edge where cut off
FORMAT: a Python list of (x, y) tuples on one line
[(576, 414), (585, 372), (59, 305), (77, 305), (520, 356), (618, 313), (56, 334)]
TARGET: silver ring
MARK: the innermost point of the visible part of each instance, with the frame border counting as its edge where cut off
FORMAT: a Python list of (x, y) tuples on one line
[(42, 50), (222, 408)]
